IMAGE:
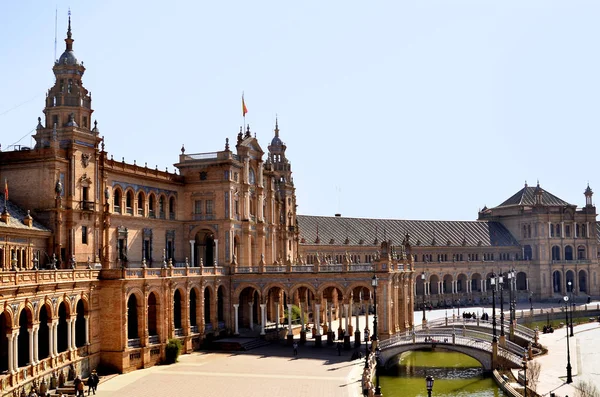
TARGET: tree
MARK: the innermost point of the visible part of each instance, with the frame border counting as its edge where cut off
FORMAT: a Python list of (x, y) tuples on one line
[(586, 389), (533, 374)]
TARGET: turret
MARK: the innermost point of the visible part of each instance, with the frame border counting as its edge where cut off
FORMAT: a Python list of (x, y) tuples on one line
[(588, 196)]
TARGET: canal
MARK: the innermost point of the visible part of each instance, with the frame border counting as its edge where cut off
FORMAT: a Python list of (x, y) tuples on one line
[(455, 374)]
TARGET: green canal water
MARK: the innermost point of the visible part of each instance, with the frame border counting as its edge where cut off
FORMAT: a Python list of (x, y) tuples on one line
[(455, 374)]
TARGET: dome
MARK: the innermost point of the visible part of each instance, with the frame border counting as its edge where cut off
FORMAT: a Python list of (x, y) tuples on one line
[(68, 58), (276, 141)]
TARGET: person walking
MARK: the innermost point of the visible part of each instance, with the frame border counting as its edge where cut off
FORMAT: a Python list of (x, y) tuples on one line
[(78, 383), (295, 348), (93, 381), (339, 348)]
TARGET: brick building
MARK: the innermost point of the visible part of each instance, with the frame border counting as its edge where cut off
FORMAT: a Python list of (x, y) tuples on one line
[(102, 262)]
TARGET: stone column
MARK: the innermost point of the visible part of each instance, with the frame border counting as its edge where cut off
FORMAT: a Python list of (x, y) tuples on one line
[(192, 253), (16, 351), (330, 309), (289, 306), (263, 313), (318, 318), (440, 288), (366, 303), (55, 337), (277, 315), (87, 329), (345, 319), (236, 307), (11, 351), (36, 329), (70, 334), (250, 304), (30, 333)]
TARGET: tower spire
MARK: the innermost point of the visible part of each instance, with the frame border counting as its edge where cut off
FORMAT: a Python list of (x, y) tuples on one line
[(69, 40), (276, 126)]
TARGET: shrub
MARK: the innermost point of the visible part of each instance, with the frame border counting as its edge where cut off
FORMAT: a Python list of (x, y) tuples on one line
[(172, 351)]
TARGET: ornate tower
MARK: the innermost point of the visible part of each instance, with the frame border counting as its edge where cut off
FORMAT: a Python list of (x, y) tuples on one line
[(588, 196), (68, 104), (285, 194)]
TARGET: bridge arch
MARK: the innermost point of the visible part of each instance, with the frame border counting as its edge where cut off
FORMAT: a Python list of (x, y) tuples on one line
[(391, 356)]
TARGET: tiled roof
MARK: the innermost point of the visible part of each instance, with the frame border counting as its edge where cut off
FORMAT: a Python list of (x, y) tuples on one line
[(17, 214), (526, 196), (422, 233)]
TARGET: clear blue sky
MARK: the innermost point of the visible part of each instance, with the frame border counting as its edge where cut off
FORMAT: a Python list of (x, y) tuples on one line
[(398, 109)]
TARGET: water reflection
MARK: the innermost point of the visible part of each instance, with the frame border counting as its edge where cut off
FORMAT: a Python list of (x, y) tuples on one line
[(455, 374)]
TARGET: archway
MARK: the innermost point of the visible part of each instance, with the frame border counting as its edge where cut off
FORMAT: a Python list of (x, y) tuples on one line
[(570, 281), (221, 304), (434, 285), (248, 313), (521, 281), (80, 325), (177, 310), (476, 282), (461, 283), (420, 284), (23, 341), (447, 284), (44, 333), (204, 248), (207, 311), (4, 328), (583, 281), (62, 329), (132, 318), (193, 310), (152, 314), (556, 282)]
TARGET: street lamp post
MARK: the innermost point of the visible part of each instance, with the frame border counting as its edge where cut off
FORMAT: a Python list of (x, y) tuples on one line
[(377, 387), (531, 301), (367, 332), (525, 376), (493, 285), (570, 285), (511, 305), (569, 377), (429, 383), (501, 286), (374, 282), (423, 279)]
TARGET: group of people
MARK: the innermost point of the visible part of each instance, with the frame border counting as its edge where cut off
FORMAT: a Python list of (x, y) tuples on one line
[(468, 315), (92, 383)]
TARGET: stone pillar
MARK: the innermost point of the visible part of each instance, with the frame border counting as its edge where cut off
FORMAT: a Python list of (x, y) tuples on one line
[(236, 307), (345, 319), (357, 332), (87, 329), (263, 313), (71, 334), (55, 338), (11, 351), (250, 307), (318, 324), (30, 332), (290, 335), (15, 348), (277, 315), (346, 326), (192, 253), (36, 329)]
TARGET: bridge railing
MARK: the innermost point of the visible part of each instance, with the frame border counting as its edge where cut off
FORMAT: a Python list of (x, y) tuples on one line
[(520, 330), (469, 338)]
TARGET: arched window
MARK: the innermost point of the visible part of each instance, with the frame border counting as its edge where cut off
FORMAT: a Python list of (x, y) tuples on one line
[(172, 208), (129, 202), (117, 201), (132, 318), (581, 252), (151, 206), (558, 234), (568, 253), (555, 253), (527, 253), (161, 207), (251, 177), (141, 204)]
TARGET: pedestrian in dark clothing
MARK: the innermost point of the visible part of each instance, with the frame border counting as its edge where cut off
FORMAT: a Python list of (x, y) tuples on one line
[(339, 349), (295, 348), (93, 381)]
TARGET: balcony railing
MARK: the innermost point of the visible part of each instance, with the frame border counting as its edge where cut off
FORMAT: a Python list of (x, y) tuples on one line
[(88, 205), (179, 332), (572, 262), (133, 343), (153, 339), (129, 210)]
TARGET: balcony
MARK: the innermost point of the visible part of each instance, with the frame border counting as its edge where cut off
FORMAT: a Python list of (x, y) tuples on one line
[(572, 262), (117, 209), (129, 210), (133, 343), (87, 205), (153, 340)]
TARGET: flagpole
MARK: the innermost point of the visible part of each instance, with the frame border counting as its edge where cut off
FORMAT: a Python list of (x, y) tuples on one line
[(243, 113)]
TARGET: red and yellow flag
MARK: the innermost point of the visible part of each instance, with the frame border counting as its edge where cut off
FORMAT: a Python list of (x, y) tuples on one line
[(5, 189), (244, 108)]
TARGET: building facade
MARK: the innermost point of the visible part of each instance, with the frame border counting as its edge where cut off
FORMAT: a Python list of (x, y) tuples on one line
[(102, 261)]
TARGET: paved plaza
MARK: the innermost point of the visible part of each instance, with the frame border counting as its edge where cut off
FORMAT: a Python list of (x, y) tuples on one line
[(274, 371)]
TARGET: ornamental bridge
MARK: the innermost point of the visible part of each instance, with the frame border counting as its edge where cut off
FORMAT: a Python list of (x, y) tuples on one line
[(472, 337)]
